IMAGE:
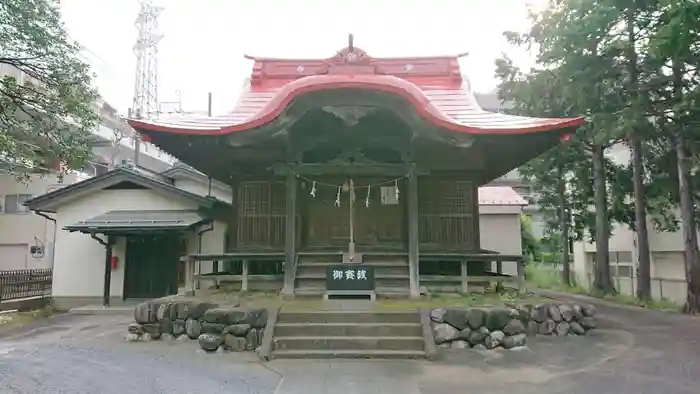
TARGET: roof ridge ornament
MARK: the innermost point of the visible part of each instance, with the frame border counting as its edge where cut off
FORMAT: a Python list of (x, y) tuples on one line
[(350, 60)]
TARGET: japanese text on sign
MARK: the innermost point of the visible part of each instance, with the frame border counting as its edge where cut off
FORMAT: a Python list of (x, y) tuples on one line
[(350, 274)]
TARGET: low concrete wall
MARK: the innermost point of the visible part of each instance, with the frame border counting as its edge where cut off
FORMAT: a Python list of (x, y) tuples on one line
[(508, 326)]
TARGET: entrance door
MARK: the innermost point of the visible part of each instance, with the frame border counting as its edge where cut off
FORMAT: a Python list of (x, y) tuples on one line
[(151, 268), (377, 225)]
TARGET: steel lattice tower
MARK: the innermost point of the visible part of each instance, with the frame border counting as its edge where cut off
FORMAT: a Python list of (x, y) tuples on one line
[(145, 103)]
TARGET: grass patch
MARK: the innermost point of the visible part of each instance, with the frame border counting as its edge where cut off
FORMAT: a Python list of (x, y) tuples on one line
[(544, 276), (455, 300)]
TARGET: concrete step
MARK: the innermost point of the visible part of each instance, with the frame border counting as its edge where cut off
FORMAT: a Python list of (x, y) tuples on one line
[(349, 317), (350, 354), (348, 343), (349, 329)]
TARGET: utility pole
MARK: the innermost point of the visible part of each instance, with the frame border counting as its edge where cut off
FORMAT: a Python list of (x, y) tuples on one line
[(145, 99)]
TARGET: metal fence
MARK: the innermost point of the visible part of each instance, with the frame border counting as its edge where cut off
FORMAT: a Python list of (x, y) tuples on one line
[(20, 284)]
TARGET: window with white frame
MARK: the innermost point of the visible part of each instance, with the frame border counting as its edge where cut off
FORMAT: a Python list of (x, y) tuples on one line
[(621, 264), (13, 203)]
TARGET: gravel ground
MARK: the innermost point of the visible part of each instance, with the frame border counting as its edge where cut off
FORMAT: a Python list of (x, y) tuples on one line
[(634, 352)]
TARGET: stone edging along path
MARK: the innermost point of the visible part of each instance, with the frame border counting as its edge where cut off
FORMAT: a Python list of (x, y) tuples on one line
[(238, 329), (508, 326), (216, 328)]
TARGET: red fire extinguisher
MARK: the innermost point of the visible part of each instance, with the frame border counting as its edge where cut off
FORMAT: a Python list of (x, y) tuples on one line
[(115, 262)]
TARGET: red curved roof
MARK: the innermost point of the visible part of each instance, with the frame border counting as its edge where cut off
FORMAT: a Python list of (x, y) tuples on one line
[(434, 85)]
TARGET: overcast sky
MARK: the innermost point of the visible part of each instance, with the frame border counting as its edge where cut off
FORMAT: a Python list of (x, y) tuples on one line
[(204, 40)]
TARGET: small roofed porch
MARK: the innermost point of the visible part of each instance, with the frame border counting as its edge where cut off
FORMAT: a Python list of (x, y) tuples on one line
[(151, 244)]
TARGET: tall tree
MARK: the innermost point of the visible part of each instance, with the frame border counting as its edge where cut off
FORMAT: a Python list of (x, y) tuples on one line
[(46, 99), (675, 45)]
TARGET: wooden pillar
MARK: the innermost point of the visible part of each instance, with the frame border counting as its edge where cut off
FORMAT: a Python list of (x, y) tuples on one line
[(244, 274), (290, 234), (413, 241), (108, 273), (189, 276)]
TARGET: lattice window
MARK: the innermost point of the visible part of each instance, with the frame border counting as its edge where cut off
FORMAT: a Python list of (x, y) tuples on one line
[(447, 213), (262, 214)]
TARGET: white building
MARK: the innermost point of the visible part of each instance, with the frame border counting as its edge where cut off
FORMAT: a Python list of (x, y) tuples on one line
[(667, 263)]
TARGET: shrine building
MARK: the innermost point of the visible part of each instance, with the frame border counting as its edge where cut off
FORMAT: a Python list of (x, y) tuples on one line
[(351, 159)]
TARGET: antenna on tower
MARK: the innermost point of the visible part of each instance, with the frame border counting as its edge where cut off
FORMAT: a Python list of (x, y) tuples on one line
[(145, 100)]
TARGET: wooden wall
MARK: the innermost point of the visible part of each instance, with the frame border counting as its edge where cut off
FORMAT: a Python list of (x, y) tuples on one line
[(447, 216)]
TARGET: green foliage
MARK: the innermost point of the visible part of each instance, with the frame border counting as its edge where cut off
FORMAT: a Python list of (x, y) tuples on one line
[(529, 243), (47, 117)]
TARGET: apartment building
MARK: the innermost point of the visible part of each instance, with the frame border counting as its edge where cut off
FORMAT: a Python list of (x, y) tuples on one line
[(26, 239), (667, 263)]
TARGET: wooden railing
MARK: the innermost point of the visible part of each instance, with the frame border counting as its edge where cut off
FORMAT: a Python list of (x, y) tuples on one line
[(20, 284), (464, 278), (241, 274)]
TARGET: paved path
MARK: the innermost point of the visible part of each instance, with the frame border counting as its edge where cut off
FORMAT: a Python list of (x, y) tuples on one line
[(635, 352)]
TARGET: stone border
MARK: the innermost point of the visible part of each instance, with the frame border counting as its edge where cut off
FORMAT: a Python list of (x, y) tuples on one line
[(268, 334), (508, 326), (215, 328), (428, 339)]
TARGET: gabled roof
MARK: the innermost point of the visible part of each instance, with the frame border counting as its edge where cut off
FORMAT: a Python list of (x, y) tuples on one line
[(500, 195), (433, 85), (154, 181), (115, 222), (180, 169)]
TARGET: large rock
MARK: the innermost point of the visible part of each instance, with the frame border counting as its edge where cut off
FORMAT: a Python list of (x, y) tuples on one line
[(477, 336), (155, 330), (494, 339), (210, 342), (437, 315), (457, 318), (237, 330), (146, 312), (257, 318), (554, 313), (476, 318), (524, 312), (514, 341), (253, 339), (497, 318), (191, 310), (212, 328), (178, 327), (531, 329), (588, 323), (225, 316), (135, 328), (562, 328), (166, 326), (443, 332), (193, 328), (567, 312), (464, 334), (576, 312), (234, 343), (588, 310), (163, 311), (547, 327), (539, 313), (576, 328), (513, 327)]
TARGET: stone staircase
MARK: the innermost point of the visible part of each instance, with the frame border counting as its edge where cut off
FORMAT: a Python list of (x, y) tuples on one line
[(390, 273), (349, 334)]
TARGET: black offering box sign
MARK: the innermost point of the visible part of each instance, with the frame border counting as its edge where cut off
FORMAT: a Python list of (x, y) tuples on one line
[(350, 277)]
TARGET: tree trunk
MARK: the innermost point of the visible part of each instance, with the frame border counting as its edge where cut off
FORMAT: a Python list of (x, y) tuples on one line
[(563, 224), (640, 213), (685, 189), (602, 281)]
